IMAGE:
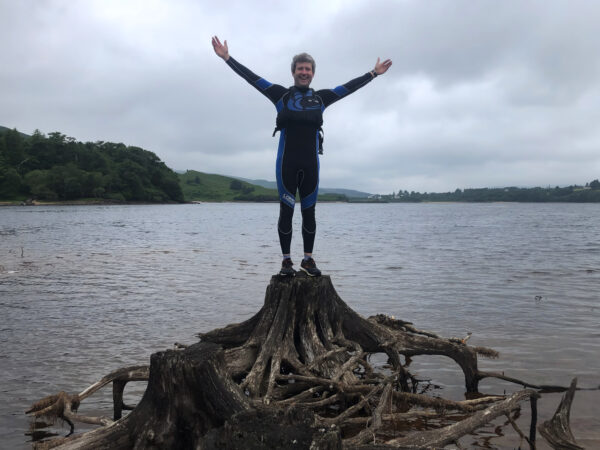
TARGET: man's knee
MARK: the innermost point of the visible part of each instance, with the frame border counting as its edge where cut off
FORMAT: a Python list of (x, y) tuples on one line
[(309, 223), (285, 218)]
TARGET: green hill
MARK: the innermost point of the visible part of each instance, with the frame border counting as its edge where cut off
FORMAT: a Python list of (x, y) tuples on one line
[(350, 193), (199, 186)]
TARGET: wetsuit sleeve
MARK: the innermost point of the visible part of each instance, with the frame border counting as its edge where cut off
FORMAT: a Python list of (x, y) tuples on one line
[(329, 96), (272, 91)]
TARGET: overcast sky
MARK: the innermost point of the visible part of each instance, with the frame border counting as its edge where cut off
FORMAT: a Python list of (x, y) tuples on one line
[(480, 94)]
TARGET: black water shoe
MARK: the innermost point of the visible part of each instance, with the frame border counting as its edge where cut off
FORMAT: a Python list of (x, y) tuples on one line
[(286, 268), (309, 266)]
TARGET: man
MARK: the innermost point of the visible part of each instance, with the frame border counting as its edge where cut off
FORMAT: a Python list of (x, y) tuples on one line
[(299, 119)]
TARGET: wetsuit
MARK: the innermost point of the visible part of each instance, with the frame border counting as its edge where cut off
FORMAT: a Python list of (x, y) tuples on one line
[(297, 155)]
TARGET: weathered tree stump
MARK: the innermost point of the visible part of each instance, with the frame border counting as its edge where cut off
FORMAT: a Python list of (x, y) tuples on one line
[(305, 328), (296, 374)]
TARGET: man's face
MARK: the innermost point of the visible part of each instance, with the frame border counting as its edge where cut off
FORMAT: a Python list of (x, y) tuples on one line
[(303, 74)]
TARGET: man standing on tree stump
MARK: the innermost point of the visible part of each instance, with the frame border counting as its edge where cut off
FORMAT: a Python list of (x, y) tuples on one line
[(299, 119)]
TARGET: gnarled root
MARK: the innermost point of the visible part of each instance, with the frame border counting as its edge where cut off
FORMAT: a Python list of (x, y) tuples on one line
[(557, 431), (64, 406), (447, 435)]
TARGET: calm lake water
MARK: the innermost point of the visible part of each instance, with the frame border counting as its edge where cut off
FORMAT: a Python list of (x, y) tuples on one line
[(88, 289)]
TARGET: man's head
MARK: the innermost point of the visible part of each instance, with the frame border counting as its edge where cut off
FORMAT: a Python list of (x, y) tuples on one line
[(303, 69)]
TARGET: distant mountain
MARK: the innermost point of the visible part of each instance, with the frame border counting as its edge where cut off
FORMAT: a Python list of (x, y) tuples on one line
[(5, 129), (264, 183), (350, 193)]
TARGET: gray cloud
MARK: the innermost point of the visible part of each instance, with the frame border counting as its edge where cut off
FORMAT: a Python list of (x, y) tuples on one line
[(480, 94)]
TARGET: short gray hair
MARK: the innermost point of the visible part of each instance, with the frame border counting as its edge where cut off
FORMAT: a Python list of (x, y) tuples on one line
[(303, 57)]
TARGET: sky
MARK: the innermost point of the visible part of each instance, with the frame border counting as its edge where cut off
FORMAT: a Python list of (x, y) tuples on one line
[(481, 93)]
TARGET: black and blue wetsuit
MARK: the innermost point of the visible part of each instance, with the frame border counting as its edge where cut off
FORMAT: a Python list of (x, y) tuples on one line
[(297, 167)]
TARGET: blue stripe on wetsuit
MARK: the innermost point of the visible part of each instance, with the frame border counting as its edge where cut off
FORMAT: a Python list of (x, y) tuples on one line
[(263, 84), (284, 195), (279, 104), (341, 91)]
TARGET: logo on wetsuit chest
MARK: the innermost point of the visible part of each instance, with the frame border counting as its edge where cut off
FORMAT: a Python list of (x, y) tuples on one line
[(299, 102), (300, 108)]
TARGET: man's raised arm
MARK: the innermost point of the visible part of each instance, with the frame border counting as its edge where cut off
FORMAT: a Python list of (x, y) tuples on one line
[(272, 91), (330, 96)]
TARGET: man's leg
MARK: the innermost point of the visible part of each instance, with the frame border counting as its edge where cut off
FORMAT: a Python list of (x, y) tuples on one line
[(284, 227), (309, 229), (309, 188), (287, 186)]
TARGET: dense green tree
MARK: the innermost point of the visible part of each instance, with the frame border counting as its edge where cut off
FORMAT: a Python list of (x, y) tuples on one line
[(39, 183), (3, 164), (59, 167), (12, 182), (3, 154), (170, 185), (14, 149), (68, 181), (131, 176), (93, 184), (235, 185)]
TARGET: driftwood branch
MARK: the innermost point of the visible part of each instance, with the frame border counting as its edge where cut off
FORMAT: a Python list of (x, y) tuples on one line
[(525, 384), (447, 435), (64, 406)]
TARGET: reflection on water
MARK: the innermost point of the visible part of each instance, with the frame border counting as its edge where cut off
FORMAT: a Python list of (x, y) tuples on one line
[(87, 289)]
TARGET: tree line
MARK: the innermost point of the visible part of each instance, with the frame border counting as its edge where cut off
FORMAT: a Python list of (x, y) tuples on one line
[(582, 194), (57, 167)]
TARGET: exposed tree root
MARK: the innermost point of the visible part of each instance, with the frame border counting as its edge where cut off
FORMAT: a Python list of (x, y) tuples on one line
[(304, 354), (64, 406), (447, 435), (557, 430)]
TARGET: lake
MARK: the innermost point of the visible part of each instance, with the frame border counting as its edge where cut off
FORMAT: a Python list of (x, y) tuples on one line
[(88, 289)]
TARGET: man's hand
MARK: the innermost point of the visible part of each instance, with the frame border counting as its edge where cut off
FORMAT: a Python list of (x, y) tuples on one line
[(380, 67), (221, 49)]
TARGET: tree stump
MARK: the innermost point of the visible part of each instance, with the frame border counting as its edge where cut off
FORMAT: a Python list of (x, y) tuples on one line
[(305, 328), (296, 374)]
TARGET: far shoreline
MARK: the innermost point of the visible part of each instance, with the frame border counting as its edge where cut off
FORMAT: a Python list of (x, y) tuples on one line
[(81, 203), (199, 202)]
